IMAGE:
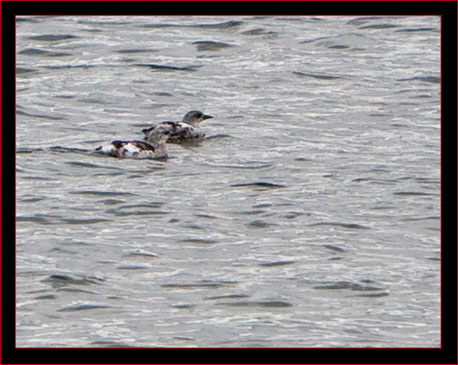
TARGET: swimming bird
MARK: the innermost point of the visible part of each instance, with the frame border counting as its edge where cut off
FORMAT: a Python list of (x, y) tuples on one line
[(187, 129), (154, 147)]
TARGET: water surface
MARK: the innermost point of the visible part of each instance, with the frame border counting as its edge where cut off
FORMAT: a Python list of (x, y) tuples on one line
[(309, 217)]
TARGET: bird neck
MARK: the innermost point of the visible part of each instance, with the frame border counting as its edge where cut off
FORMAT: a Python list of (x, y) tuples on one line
[(160, 148)]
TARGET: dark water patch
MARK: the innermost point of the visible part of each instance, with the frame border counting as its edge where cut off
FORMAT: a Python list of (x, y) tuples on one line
[(36, 178), (82, 164), (411, 193), (366, 19), (278, 263), (93, 101), (410, 30), (100, 193), (292, 215), (28, 150), (339, 46), (120, 213), (65, 96), (208, 216), (259, 184), (315, 76), (147, 205), (338, 224), (183, 338), (379, 26), (100, 22), (374, 295), (200, 241), (164, 25), (263, 304), (383, 207), (360, 179), (314, 40), (38, 218), (225, 25), (84, 221), (31, 200), (155, 67), (46, 297), (211, 46), (33, 51), (218, 136), (348, 285), (260, 224), (62, 280), (129, 51), (259, 31), (65, 67), (334, 248), (26, 20), (302, 159), (91, 30), (111, 201), (111, 173), (140, 253), (263, 205), (75, 243), (251, 212), (430, 79), (421, 219), (201, 284), (252, 166), (82, 307), (108, 344), (132, 267), (378, 115), (52, 37), (44, 116), (23, 70), (41, 52), (228, 296), (194, 226)]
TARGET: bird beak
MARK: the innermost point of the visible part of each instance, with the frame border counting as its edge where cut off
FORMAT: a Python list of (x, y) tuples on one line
[(207, 117)]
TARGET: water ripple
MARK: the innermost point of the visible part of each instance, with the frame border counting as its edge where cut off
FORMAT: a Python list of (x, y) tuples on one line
[(315, 76), (260, 185), (63, 280), (52, 37), (83, 306), (211, 46), (155, 67), (264, 304), (338, 224)]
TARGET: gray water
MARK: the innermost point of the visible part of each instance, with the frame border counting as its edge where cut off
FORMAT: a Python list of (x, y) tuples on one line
[(309, 217)]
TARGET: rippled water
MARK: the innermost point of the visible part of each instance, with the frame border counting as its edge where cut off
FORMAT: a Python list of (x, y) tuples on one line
[(309, 217)]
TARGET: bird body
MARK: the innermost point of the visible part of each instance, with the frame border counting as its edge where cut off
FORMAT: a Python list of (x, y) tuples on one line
[(155, 147), (186, 130)]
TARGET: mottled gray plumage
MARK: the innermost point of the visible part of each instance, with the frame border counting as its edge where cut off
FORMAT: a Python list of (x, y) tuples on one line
[(187, 129)]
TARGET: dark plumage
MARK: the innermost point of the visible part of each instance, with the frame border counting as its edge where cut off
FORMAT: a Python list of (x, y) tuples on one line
[(155, 147)]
